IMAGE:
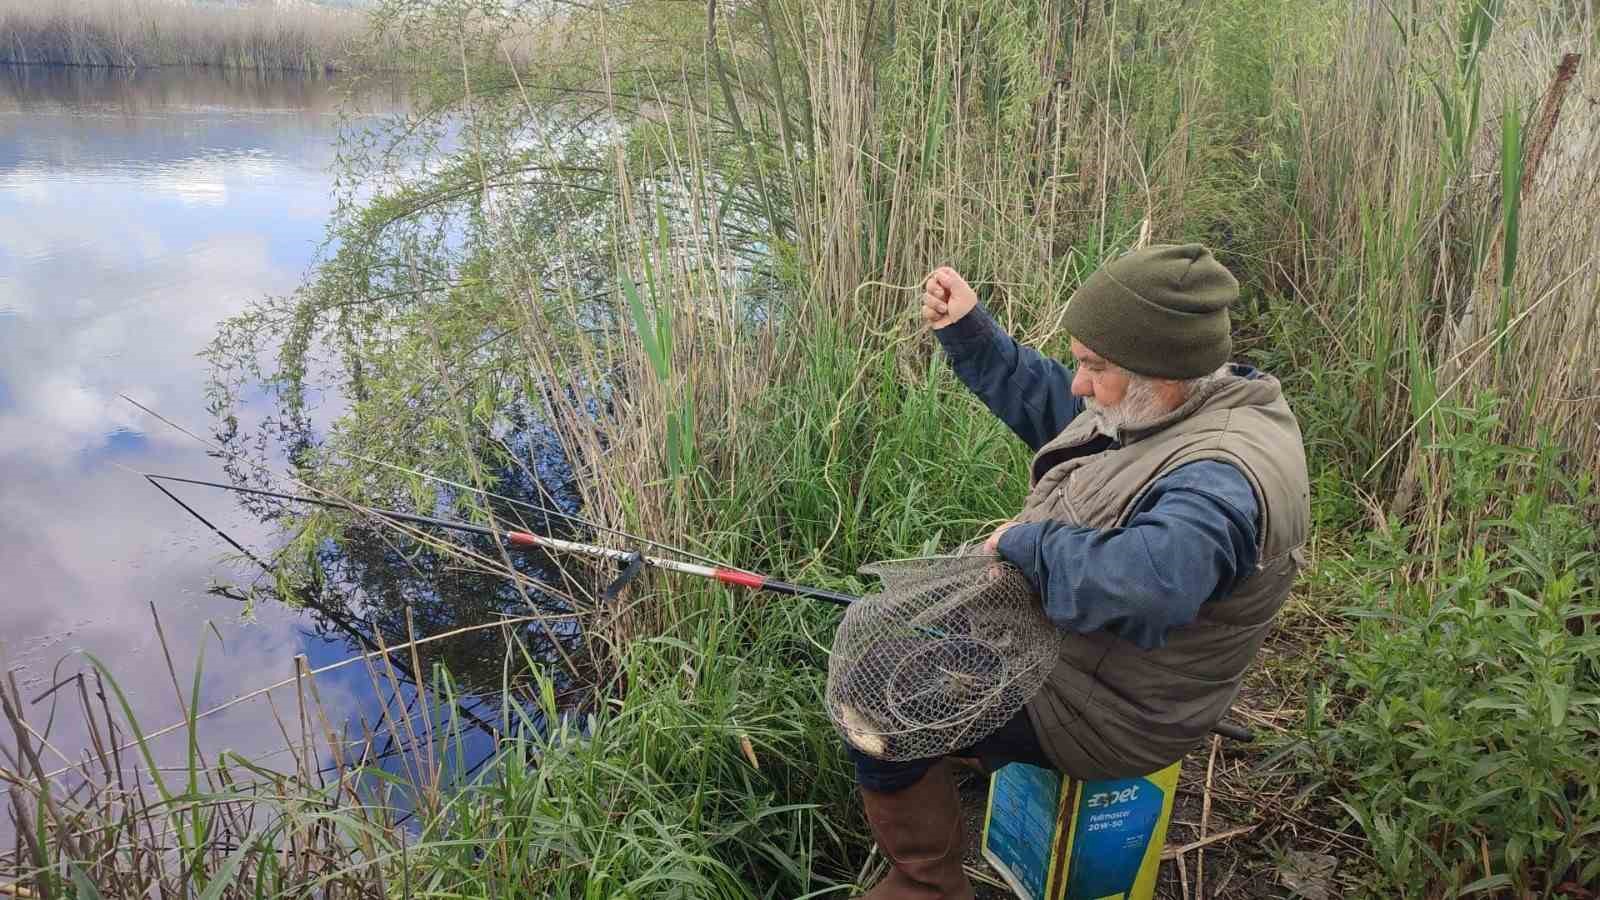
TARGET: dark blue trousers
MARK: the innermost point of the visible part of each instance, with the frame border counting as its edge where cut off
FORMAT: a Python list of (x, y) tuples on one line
[(1014, 742)]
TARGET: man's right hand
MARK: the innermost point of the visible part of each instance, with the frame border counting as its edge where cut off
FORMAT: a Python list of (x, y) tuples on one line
[(946, 297)]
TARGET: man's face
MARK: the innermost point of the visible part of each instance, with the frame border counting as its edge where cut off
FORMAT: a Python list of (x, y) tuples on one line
[(1098, 379)]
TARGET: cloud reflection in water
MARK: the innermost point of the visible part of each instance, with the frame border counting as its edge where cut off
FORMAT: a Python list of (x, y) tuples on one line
[(135, 213)]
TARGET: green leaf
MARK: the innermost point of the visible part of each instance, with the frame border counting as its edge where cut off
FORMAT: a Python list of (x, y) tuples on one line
[(937, 122), (644, 327), (81, 884), (133, 725), (1559, 695), (224, 877), (1511, 167), (189, 721), (1492, 883), (1496, 703), (1516, 851), (1477, 801), (1355, 814)]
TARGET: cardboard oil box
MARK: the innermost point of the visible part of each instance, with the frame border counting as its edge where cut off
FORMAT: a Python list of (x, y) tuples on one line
[(1056, 838)]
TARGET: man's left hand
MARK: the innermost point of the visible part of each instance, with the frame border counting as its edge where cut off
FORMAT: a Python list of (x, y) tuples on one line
[(992, 545)]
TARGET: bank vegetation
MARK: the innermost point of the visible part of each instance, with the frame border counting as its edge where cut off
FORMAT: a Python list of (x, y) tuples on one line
[(687, 240), (136, 33)]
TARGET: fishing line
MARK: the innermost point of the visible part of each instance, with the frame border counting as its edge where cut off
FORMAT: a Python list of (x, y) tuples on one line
[(207, 522), (861, 371), (212, 446), (162, 732), (922, 285), (528, 540), (340, 621), (544, 510)]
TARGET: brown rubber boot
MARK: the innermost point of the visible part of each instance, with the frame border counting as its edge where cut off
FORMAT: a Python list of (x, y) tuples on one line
[(920, 830)]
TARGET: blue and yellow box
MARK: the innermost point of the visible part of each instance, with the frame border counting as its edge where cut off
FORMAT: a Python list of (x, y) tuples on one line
[(1056, 838)]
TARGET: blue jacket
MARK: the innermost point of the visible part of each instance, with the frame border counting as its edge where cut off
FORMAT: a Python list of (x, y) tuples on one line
[(1190, 540)]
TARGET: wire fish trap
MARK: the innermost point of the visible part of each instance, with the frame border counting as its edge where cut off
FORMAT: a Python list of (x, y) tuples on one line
[(947, 652)]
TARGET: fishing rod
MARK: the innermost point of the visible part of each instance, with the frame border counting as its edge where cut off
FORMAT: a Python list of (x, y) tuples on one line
[(528, 540), (542, 510), (631, 560)]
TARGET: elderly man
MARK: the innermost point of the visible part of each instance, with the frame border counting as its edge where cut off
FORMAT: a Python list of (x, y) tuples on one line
[(1162, 533)]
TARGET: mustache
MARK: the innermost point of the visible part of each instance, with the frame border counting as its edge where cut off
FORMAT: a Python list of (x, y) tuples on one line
[(1137, 407)]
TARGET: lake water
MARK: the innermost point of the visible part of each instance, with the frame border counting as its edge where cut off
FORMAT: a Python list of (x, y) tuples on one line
[(137, 210)]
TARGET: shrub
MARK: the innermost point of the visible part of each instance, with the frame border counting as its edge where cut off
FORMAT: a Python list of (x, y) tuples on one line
[(1469, 753)]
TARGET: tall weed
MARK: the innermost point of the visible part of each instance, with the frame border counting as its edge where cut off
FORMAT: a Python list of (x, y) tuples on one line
[(709, 771)]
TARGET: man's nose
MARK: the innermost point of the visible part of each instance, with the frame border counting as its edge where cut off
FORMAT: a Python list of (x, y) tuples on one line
[(1081, 385)]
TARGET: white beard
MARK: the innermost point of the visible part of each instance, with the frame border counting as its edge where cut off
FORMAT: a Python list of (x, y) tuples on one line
[(1140, 406)]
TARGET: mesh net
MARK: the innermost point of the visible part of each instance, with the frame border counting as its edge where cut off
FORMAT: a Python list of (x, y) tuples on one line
[(941, 657)]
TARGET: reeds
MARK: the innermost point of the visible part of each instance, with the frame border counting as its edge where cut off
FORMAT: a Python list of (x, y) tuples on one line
[(134, 33), (694, 252), (1442, 253), (700, 785), (119, 821)]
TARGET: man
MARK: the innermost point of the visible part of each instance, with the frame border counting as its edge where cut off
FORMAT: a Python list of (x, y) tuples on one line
[(1163, 530)]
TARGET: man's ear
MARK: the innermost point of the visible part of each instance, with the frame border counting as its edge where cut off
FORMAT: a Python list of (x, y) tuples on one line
[(1173, 388)]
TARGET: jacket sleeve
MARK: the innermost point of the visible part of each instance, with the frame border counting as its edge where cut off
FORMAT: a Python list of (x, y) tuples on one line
[(1029, 392), (1192, 538)]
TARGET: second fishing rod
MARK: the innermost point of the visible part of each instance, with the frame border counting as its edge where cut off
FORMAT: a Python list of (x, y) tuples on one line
[(528, 540)]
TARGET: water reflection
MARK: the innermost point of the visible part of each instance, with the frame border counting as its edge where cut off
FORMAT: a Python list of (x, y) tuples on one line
[(380, 583), (137, 210), (174, 92)]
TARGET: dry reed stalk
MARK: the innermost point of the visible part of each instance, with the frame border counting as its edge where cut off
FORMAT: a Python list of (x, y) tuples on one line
[(1205, 819), (26, 832), (29, 771), (1468, 326), (1399, 291), (1171, 853)]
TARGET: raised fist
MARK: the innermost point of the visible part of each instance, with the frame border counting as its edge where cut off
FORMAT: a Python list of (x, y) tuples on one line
[(946, 297)]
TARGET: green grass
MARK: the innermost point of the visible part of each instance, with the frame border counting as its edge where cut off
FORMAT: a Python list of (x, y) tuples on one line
[(711, 771), (658, 797), (864, 456), (714, 308)]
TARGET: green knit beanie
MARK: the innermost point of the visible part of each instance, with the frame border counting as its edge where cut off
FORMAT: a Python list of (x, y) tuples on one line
[(1161, 311)]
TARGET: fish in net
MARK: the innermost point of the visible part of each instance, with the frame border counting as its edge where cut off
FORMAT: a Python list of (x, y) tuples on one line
[(944, 654)]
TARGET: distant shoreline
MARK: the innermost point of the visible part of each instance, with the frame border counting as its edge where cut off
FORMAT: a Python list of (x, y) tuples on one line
[(135, 67), (121, 34)]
